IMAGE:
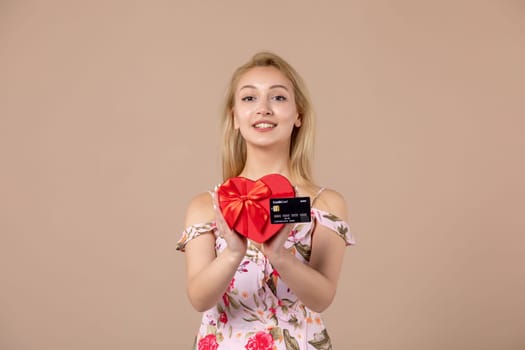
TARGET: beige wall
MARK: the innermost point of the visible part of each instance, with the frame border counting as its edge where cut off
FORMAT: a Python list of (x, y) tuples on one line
[(109, 125)]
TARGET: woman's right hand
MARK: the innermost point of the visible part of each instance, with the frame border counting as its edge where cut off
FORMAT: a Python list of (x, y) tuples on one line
[(236, 243)]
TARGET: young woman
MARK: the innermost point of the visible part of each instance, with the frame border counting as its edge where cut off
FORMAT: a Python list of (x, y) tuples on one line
[(269, 295)]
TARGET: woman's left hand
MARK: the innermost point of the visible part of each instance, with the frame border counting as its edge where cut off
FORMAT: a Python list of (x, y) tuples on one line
[(274, 247)]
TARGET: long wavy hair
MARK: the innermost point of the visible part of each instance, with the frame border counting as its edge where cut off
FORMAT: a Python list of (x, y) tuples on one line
[(302, 139)]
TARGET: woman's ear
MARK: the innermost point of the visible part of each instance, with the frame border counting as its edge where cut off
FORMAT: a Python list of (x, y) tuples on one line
[(298, 122)]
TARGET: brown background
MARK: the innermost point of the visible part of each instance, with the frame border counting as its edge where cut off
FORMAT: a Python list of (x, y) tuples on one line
[(109, 125)]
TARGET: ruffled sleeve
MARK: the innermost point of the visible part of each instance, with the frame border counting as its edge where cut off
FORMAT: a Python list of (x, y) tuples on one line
[(192, 232), (333, 222)]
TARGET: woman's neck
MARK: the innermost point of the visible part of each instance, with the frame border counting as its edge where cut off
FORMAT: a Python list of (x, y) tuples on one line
[(261, 162)]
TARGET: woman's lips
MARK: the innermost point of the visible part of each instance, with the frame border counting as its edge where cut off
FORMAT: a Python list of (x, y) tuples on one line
[(264, 125)]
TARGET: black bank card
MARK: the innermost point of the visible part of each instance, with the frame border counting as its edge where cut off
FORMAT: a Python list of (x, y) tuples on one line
[(289, 210)]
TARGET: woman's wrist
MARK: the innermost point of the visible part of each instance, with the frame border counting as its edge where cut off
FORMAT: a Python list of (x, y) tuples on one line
[(234, 257), (279, 257)]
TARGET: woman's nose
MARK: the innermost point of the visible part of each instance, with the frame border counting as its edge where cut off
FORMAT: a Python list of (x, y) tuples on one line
[(264, 107)]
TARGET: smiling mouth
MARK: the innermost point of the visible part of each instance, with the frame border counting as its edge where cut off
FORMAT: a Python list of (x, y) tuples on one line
[(264, 125)]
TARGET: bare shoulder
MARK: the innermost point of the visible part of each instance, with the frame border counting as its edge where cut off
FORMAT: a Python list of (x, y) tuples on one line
[(333, 202), (200, 209)]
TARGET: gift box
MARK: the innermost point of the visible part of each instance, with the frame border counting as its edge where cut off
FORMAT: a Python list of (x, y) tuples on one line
[(245, 204)]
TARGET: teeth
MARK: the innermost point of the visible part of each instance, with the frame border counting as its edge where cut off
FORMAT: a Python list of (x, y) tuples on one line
[(264, 125)]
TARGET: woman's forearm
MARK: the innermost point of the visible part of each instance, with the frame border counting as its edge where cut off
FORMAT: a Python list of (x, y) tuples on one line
[(207, 286), (309, 285)]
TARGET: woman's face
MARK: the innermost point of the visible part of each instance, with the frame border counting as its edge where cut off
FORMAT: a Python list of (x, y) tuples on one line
[(264, 108)]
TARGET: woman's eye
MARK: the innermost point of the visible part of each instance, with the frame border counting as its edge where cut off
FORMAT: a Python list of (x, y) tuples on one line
[(279, 98), (248, 98)]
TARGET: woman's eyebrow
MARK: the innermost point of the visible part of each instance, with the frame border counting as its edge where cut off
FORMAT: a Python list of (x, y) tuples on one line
[(247, 87), (271, 87), (278, 86)]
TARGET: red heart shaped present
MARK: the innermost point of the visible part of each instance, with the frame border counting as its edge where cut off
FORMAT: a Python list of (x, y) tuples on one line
[(245, 204)]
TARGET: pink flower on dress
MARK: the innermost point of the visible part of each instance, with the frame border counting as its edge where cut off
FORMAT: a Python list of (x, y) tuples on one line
[(242, 267), (223, 317), (225, 299), (209, 342), (260, 341), (231, 285)]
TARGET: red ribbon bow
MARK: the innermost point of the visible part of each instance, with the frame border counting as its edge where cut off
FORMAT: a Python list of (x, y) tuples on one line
[(239, 203)]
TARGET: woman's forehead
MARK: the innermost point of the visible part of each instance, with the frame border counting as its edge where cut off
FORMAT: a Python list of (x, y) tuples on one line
[(264, 77)]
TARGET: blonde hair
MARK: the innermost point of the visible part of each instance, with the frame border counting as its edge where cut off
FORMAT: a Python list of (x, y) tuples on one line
[(302, 141)]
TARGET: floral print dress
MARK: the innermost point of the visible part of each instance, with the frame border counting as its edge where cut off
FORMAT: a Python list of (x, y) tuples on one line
[(258, 311)]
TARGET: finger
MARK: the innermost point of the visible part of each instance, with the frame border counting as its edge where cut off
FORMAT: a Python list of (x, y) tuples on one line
[(221, 223), (219, 219), (216, 208), (215, 200)]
